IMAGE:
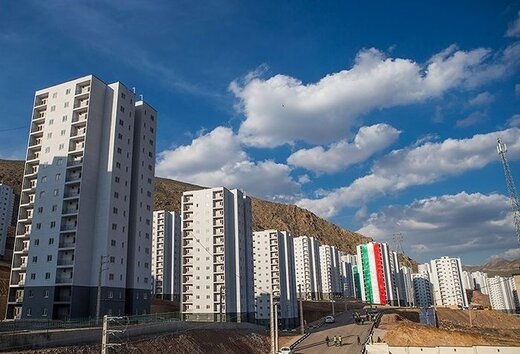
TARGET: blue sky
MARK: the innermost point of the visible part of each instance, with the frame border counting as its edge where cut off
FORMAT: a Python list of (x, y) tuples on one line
[(382, 118)]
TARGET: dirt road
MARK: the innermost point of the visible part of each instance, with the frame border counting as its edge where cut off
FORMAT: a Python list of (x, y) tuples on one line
[(344, 326)]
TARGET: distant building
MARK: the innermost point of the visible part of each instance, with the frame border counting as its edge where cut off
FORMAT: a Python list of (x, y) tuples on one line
[(375, 274), (273, 255), (446, 277), (467, 281), (166, 255), (348, 263), (408, 296), (422, 289), (86, 199), (6, 214), (501, 294), (330, 271), (480, 282), (308, 267), (217, 255)]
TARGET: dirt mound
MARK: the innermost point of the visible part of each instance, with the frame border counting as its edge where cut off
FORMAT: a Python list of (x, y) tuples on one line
[(487, 319), (409, 334), (192, 342), (391, 320)]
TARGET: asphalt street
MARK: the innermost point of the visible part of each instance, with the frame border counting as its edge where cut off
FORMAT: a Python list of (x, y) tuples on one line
[(344, 326)]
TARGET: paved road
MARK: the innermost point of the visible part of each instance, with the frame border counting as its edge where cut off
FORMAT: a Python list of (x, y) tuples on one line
[(344, 326)]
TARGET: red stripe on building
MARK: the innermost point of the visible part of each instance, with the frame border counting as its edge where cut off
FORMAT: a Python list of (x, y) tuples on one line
[(379, 274)]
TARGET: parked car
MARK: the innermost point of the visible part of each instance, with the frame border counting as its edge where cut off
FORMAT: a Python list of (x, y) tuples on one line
[(285, 350), (329, 319)]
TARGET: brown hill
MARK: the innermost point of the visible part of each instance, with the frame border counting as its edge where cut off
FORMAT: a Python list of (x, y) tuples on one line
[(266, 215), (497, 266)]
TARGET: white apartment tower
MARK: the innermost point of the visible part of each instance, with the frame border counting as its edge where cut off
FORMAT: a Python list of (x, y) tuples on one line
[(348, 262), (85, 205), (422, 289), (308, 268), (480, 281), (330, 271), (6, 214), (217, 255), (501, 294), (446, 277), (273, 255), (166, 255)]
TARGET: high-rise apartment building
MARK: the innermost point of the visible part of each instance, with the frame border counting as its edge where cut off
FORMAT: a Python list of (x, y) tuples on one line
[(166, 255), (273, 254), (422, 289), (375, 274), (217, 255), (308, 267), (348, 262), (86, 204), (480, 282), (330, 271), (501, 294), (6, 214), (408, 296), (446, 277)]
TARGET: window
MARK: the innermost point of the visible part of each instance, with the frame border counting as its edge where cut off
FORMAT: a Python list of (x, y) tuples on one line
[(66, 104), (51, 241), (112, 259), (60, 162), (49, 135), (44, 312), (64, 118), (56, 192), (49, 258), (67, 91), (110, 294), (62, 132), (47, 150), (33, 276), (118, 164), (37, 242), (114, 210), (28, 312), (120, 136), (54, 207), (121, 122), (119, 150), (61, 146), (122, 109), (35, 259), (112, 243), (46, 294), (117, 179), (38, 226), (44, 179), (123, 96), (53, 224), (54, 95), (40, 210), (47, 275), (114, 226), (111, 276), (53, 108)]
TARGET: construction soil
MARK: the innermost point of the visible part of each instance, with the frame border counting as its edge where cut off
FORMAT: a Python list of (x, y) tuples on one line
[(192, 342), (488, 328)]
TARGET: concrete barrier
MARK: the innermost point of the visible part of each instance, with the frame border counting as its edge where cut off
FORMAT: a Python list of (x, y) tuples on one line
[(82, 336), (383, 348)]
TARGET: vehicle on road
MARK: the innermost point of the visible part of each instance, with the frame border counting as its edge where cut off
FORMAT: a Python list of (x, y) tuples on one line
[(329, 319), (285, 350)]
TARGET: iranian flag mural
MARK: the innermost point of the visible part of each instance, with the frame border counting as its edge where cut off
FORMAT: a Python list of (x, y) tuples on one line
[(371, 273)]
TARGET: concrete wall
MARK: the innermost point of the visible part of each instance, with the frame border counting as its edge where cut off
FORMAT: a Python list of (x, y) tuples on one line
[(383, 348), (55, 338)]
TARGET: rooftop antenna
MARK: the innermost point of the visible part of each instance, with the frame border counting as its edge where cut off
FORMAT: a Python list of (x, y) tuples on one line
[(133, 89), (141, 97), (398, 240), (502, 149)]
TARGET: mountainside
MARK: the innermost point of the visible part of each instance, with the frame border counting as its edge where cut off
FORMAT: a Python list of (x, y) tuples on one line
[(266, 215), (497, 266)]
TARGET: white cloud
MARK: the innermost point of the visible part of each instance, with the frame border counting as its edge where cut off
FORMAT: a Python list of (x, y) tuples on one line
[(483, 98), (471, 119), (283, 109), (217, 159), (412, 166), (514, 28), (342, 154), (514, 121), (304, 179), (447, 225)]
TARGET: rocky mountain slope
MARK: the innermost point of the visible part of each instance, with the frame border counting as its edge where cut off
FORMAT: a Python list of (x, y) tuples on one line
[(266, 215), (497, 266)]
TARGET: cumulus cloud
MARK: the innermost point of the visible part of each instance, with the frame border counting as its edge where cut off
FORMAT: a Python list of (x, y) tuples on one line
[(283, 109), (514, 121), (514, 28), (342, 154), (217, 159), (472, 119), (413, 166), (483, 98), (447, 225)]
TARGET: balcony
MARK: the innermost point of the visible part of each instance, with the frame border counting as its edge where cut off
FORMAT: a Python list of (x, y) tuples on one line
[(72, 162), (68, 227), (79, 117), (41, 100), (37, 129), (81, 103), (65, 262), (82, 90)]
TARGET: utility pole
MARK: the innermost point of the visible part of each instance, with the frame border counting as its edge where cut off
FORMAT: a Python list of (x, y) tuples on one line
[(302, 323), (222, 288), (105, 344), (515, 206), (271, 322), (332, 302), (275, 326), (102, 261)]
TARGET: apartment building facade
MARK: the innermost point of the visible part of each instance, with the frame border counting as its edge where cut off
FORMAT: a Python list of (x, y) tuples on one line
[(446, 277), (166, 255), (217, 255), (375, 274), (273, 255), (308, 267), (85, 204), (6, 214), (348, 263), (423, 289), (501, 294), (330, 272)]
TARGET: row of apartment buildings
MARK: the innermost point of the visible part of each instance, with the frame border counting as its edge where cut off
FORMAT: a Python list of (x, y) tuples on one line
[(442, 282)]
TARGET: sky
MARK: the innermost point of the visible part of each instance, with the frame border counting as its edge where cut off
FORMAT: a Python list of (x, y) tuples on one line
[(381, 117)]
